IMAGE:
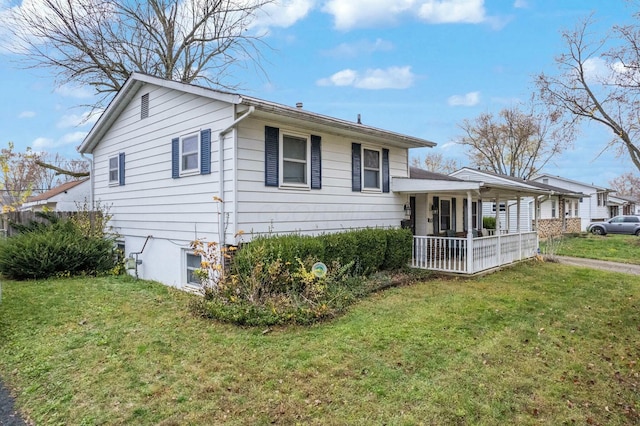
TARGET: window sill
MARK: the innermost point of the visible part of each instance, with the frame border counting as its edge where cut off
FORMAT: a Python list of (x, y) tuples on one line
[(295, 187), (190, 173)]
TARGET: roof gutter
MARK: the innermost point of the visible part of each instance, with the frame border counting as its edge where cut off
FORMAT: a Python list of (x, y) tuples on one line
[(221, 218), (299, 114)]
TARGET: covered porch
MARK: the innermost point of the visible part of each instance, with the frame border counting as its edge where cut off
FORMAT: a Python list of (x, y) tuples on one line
[(452, 239)]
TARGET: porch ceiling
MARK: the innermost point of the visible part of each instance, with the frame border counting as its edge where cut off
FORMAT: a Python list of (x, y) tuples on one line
[(484, 190)]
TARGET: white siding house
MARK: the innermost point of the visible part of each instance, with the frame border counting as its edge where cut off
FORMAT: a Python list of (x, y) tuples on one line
[(592, 205), (66, 197), (177, 162)]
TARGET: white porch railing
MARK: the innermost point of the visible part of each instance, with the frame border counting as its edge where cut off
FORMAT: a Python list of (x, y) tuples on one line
[(448, 254)]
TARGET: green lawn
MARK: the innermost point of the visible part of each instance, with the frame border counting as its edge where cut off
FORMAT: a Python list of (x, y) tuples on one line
[(617, 248), (540, 343)]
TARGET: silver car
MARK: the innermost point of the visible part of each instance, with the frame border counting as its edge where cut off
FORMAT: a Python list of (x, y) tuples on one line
[(626, 224)]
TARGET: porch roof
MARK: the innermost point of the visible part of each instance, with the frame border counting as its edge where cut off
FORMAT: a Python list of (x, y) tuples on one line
[(459, 186)]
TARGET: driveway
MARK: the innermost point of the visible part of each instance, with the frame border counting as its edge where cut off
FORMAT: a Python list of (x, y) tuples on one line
[(600, 264)]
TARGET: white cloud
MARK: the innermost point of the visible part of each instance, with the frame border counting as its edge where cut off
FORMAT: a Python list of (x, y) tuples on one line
[(46, 144), (41, 144), (453, 11), (370, 13), (520, 4), (365, 13), (362, 47), (470, 99), (27, 114), (73, 91), (282, 13), (372, 79), (75, 120)]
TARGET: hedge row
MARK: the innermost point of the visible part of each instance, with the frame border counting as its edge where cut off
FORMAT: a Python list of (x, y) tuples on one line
[(369, 250)]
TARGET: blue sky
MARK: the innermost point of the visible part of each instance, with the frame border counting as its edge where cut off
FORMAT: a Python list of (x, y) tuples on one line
[(417, 67)]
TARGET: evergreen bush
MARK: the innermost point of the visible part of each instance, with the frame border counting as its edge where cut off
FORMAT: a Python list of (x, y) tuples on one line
[(54, 249)]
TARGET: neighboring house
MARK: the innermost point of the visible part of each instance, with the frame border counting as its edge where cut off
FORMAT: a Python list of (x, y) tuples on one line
[(67, 197), (593, 206), (552, 211), (177, 162), (621, 205)]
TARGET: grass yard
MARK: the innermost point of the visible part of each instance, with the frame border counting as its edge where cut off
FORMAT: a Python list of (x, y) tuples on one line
[(616, 248), (540, 343)]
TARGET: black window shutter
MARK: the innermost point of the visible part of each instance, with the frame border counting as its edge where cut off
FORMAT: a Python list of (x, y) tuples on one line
[(465, 228), (316, 162), (271, 161), (436, 216), (356, 167), (205, 152), (175, 158), (385, 170), (479, 214), (121, 169), (453, 214)]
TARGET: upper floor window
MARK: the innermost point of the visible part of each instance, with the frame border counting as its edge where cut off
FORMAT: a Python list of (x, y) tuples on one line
[(602, 199), (189, 154), (292, 160), (295, 160), (371, 169), (116, 169), (113, 170)]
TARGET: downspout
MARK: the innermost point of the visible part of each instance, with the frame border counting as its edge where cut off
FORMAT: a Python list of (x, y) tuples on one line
[(221, 227), (90, 160)]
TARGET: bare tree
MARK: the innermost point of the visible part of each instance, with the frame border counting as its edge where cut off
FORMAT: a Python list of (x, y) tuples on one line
[(515, 143), (598, 81), (627, 184), (436, 162), (100, 42), (55, 170)]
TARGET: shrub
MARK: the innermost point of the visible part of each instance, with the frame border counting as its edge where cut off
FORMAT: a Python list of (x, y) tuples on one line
[(58, 248), (399, 249), (271, 279), (372, 246), (489, 222)]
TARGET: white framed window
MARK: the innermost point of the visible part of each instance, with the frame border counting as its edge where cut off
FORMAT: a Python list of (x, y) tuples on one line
[(575, 208), (553, 208), (192, 263), (114, 170), (503, 207), (295, 160), (371, 167), (190, 154)]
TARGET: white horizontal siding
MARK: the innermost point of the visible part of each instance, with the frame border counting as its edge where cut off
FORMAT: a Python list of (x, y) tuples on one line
[(333, 208), (151, 202)]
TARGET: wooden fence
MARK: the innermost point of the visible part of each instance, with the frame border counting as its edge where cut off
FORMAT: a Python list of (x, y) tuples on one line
[(26, 217)]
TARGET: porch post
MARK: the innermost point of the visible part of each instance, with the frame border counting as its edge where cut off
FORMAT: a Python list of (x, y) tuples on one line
[(519, 229), (498, 248), (469, 234)]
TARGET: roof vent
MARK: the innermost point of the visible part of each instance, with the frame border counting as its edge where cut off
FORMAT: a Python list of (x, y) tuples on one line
[(359, 119), (299, 105)]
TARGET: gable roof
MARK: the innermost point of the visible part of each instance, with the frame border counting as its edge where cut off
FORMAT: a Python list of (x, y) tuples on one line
[(418, 173), (554, 190), (55, 191), (262, 108), (599, 188)]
